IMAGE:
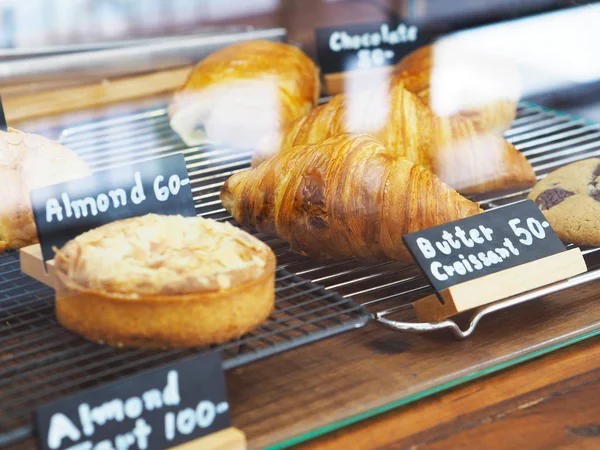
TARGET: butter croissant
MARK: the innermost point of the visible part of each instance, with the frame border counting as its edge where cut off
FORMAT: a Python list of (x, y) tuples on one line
[(244, 91), (484, 90), (452, 147), (348, 196)]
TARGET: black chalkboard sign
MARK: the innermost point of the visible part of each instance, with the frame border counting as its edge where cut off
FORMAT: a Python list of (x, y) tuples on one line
[(483, 244), (153, 411), (368, 45), (3, 124), (64, 211)]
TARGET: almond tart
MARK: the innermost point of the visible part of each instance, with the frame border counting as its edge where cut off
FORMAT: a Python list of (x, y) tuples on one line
[(164, 281)]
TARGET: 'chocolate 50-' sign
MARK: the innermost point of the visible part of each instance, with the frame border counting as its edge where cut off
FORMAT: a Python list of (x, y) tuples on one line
[(483, 244), (363, 46)]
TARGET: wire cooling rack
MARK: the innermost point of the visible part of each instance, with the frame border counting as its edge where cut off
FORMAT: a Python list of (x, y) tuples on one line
[(40, 361), (549, 139)]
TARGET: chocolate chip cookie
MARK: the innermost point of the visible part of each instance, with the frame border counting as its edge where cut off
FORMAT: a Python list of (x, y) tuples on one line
[(570, 199)]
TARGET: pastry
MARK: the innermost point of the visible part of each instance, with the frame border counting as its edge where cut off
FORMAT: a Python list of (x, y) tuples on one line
[(29, 161), (452, 80), (569, 197), (346, 197), (242, 92), (164, 281), (453, 148)]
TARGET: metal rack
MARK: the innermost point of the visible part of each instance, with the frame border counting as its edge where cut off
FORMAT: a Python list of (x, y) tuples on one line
[(549, 139), (40, 361)]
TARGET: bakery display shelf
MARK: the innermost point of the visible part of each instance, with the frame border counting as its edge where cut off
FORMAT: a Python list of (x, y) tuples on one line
[(548, 138), (40, 361)]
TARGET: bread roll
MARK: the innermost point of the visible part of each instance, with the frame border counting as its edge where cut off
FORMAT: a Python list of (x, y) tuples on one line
[(243, 92), (29, 161)]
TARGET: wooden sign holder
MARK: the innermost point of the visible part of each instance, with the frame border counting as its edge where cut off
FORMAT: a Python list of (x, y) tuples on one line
[(231, 438), (500, 285), (32, 264), (228, 439)]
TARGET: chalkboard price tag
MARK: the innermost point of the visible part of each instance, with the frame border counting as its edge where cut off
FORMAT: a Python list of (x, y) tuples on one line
[(368, 45), (153, 411), (66, 210), (489, 257), (483, 244)]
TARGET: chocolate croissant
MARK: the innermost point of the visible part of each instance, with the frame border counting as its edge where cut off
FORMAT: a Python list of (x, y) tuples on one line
[(453, 148), (431, 70), (244, 91), (348, 196)]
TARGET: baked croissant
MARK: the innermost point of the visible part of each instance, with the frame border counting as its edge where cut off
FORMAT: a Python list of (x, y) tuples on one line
[(485, 91), (453, 148), (348, 196), (244, 91)]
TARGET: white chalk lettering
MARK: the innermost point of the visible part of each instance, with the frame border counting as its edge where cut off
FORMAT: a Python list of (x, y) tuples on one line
[(80, 207), (476, 263), (474, 234), (186, 421), (118, 197), (53, 209), (426, 247), (124, 441), (86, 419), (444, 247), (460, 233), (61, 427), (341, 40), (134, 407), (171, 392), (103, 202), (152, 399), (205, 413), (67, 203), (137, 192), (170, 426), (141, 432), (509, 245), (448, 238), (487, 232), (113, 410)]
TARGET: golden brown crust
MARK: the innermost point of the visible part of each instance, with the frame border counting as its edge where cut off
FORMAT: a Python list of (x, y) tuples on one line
[(349, 196), (162, 255), (415, 70), (454, 148), (29, 161), (243, 91), (167, 321), (175, 311)]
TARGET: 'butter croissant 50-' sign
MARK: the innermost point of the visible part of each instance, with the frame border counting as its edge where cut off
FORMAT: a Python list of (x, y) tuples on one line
[(64, 211), (483, 244)]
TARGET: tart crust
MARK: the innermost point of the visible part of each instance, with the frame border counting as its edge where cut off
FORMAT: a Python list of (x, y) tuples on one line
[(170, 313)]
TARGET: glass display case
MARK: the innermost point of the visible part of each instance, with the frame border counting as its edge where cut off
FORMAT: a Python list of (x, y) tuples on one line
[(356, 204)]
